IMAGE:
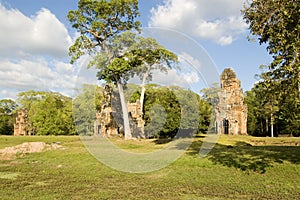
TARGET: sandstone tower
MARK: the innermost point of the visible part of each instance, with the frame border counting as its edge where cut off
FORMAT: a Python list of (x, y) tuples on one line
[(231, 112), (20, 124), (109, 121)]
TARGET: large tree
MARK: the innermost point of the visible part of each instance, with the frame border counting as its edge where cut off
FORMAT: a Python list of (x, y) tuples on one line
[(145, 55), (97, 21), (277, 23), (152, 56)]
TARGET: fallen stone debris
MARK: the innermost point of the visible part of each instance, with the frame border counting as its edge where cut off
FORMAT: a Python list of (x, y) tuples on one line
[(10, 153)]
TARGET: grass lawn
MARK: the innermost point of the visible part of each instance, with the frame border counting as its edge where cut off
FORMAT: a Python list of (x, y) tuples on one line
[(237, 168)]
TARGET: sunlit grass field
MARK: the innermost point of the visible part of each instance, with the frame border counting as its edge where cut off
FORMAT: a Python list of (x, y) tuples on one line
[(240, 167)]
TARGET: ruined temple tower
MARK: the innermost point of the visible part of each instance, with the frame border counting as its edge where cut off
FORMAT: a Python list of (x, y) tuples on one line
[(109, 121), (20, 124), (231, 112)]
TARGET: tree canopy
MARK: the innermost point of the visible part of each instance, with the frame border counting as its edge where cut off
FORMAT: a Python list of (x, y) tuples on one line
[(7, 110), (99, 20), (48, 113), (85, 105), (277, 24), (169, 109)]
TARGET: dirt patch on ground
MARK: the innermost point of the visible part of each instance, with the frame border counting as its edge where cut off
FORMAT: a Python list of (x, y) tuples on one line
[(10, 153)]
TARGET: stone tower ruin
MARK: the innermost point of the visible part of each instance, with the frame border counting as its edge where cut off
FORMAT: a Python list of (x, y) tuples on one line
[(109, 121), (21, 123), (231, 112)]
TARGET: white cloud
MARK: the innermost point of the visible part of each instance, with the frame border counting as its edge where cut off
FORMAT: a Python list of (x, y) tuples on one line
[(186, 77), (191, 78), (216, 20), (175, 77), (36, 75), (189, 61), (33, 52), (42, 34)]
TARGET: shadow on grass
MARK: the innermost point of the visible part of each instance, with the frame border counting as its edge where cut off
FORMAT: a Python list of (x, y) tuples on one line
[(180, 134), (162, 140), (245, 157)]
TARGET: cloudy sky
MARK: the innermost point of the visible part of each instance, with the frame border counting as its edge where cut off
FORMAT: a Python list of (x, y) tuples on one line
[(35, 36)]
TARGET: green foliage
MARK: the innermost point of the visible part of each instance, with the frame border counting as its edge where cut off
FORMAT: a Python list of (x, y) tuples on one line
[(147, 55), (130, 54), (132, 92), (150, 55), (253, 115), (260, 107), (6, 124), (268, 104), (99, 20), (161, 112), (7, 110), (169, 109), (117, 53), (48, 113), (277, 23), (188, 101), (257, 118), (114, 71), (98, 92), (211, 94), (85, 105), (7, 106), (205, 118), (289, 113)]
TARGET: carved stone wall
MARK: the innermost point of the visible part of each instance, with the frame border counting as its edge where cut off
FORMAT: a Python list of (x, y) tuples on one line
[(21, 123), (109, 121), (136, 119), (105, 124), (231, 112)]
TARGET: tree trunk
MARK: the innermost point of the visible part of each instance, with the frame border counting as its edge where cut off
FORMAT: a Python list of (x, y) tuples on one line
[(272, 125), (144, 87), (267, 126), (296, 62), (127, 131), (143, 92), (299, 84)]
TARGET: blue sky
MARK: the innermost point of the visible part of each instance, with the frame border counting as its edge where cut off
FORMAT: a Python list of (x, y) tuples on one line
[(35, 37)]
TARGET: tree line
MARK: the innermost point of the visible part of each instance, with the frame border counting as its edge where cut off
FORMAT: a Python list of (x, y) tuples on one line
[(48, 113), (274, 102), (51, 113)]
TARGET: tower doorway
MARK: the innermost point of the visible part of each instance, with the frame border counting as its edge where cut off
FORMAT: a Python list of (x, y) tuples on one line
[(226, 126)]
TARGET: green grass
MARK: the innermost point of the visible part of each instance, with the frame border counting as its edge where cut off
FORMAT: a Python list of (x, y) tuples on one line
[(140, 146), (237, 168)]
